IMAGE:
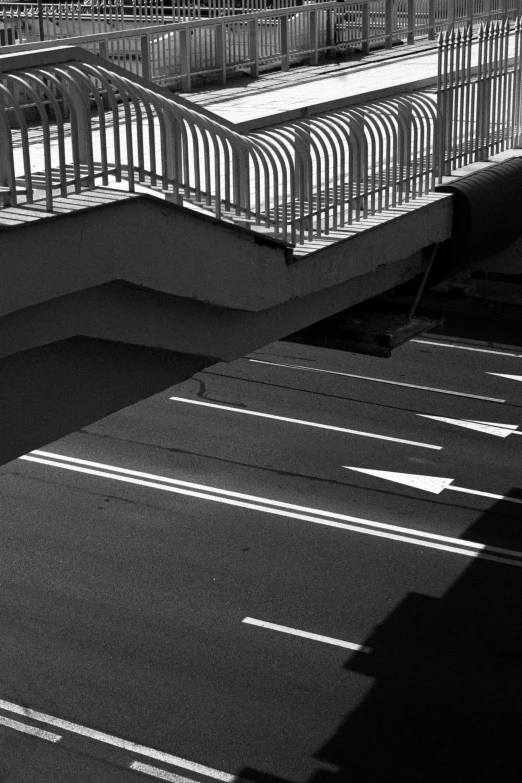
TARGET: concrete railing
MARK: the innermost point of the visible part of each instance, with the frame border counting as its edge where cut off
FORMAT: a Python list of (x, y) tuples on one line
[(173, 54)]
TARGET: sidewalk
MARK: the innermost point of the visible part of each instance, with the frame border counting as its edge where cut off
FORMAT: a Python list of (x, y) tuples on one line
[(247, 104)]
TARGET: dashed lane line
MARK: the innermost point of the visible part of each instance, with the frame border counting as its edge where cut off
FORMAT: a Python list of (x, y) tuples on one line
[(161, 774), (377, 380), (307, 423), (316, 637), (118, 742), (279, 508), (27, 729)]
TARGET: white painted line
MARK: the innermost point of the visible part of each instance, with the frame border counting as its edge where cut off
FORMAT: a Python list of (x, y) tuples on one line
[(307, 635), (488, 427), (25, 729), (162, 774), (503, 375), (434, 484), (378, 380), (307, 423), (108, 739), (468, 348), (278, 508)]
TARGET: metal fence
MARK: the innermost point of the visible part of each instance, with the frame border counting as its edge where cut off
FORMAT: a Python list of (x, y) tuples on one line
[(174, 54), (236, 34), (478, 101)]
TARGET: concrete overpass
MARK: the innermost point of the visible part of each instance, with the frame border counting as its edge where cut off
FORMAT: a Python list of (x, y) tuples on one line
[(110, 296)]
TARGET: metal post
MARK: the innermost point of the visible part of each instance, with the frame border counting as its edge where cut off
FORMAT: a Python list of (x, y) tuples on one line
[(253, 38), (388, 23), (221, 53), (285, 58), (145, 57), (431, 20), (411, 21), (314, 47), (366, 28), (185, 59), (40, 19)]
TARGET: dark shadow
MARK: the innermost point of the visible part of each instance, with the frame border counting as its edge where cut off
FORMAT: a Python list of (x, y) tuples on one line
[(446, 704)]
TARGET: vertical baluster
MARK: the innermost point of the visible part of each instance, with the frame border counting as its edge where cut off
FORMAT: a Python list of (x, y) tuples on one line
[(254, 48), (184, 36), (145, 57), (388, 23), (431, 20), (411, 21), (285, 59), (517, 85), (221, 63)]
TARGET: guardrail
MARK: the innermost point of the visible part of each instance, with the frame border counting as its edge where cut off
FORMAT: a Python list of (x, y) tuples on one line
[(299, 180), (479, 104), (173, 54)]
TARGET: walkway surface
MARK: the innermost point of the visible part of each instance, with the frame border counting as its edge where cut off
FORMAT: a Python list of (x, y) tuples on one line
[(248, 104)]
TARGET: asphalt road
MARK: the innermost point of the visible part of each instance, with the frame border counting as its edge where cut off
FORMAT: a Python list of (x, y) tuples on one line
[(134, 551)]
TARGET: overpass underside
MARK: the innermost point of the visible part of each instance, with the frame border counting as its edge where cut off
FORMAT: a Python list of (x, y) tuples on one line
[(133, 259)]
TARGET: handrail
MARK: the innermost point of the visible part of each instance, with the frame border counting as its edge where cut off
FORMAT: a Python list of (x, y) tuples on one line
[(174, 53)]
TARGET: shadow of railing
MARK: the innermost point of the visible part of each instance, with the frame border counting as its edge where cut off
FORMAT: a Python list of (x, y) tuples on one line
[(445, 706)]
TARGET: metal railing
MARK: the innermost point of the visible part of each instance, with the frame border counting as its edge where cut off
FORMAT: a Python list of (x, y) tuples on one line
[(299, 180), (173, 54), (479, 106)]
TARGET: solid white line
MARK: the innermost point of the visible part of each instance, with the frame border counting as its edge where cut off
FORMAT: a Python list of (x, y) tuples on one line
[(162, 774), (307, 423), (468, 348), (25, 729), (108, 739), (377, 380), (484, 494), (276, 508), (307, 635)]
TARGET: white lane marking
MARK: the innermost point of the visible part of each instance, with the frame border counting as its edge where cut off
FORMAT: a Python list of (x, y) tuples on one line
[(307, 423), (377, 380), (162, 774), (276, 507), (25, 729), (468, 348), (117, 742), (307, 635), (488, 427), (434, 484), (503, 375)]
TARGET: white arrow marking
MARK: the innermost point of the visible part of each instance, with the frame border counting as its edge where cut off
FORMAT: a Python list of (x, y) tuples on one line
[(489, 427), (502, 375), (433, 484)]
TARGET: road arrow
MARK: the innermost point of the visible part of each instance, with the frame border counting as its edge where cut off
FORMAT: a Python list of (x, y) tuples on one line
[(489, 427), (433, 484), (501, 375)]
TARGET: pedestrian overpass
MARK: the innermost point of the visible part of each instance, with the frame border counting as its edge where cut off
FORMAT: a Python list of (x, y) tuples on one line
[(145, 237)]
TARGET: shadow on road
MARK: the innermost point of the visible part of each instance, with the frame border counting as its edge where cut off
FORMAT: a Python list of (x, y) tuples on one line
[(447, 699)]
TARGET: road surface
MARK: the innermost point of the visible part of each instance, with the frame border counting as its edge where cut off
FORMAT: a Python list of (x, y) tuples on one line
[(300, 567)]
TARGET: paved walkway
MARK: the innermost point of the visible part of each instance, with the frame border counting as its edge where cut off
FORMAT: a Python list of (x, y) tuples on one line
[(249, 104)]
